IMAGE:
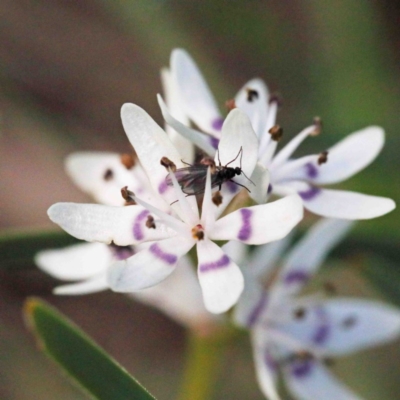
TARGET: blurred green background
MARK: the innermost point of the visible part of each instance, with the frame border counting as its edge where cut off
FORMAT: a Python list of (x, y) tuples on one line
[(65, 70)]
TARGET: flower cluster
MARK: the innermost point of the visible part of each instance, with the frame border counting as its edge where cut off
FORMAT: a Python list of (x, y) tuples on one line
[(185, 188)]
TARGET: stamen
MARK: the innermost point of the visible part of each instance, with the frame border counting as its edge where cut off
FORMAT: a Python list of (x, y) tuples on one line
[(128, 196), (276, 98), (198, 232), (168, 164), (323, 157), (217, 198), (300, 313), (317, 127), (108, 175), (251, 94), (128, 160), (276, 133), (150, 222), (230, 104)]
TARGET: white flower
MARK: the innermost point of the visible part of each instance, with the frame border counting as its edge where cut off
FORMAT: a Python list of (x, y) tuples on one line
[(179, 296), (174, 235), (296, 336), (304, 175)]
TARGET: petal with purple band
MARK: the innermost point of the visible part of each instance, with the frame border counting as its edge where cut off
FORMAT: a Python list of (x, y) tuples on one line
[(301, 368), (310, 193), (298, 277), (220, 279), (217, 123), (257, 310), (138, 225), (323, 329), (245, 230), (149, 266), (311, 170)]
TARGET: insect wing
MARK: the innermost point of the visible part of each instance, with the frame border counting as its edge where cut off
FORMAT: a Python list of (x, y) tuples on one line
[(192, 180)]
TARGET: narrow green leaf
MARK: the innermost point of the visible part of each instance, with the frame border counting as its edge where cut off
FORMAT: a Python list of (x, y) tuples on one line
[(17, 248), (79, 356)]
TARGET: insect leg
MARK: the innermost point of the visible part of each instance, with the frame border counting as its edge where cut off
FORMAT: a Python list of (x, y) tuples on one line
[(240, 152), (230, 180)]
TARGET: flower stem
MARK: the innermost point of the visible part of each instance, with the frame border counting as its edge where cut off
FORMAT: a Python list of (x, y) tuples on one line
[(203, 363)]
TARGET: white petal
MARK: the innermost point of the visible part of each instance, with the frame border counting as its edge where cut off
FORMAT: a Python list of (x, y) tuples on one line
[(351, 155), (312, 381), (266, 366), (220, 279), (260, 224), (253, 100), (345, 204), (259, 191), (101, 175), (197, 99), (284, 154), (148, 267), (238, 133), (185, 146), (79, 261), (151, 143), (97, 223), (179, 296), (202, 141), (308, 255), (92, 285), (359, 324), (237, 251)]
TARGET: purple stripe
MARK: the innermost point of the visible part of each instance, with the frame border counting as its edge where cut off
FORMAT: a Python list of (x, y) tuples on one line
[(311, 170), (301, 368), (162, 187), (214, 142), (257, 310), (223, 262), (270, 361), (217, 123), (137, 225), (323, 329), (121, 252), (232, 187), (168, 258), (296, 276), (245, 230), (310, 193), (269, 191)]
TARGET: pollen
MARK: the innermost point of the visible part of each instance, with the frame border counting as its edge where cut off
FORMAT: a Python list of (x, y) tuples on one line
[(168, 164), (128, 196), (276, 133), (128, 160), (150, 222), (217, 198), (198, 232), (323, 158)]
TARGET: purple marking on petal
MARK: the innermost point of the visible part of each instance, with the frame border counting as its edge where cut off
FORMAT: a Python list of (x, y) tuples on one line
[(296, 276), (323, 329), (162, 187), (137, 225), (310, 193), (245, 230), (270, 362), (232, 187), (121, 252), (257, 310), (214, 142), (168, 258), (301, 368), (223, 262), (311, 170), (217, 123), (269, 191)]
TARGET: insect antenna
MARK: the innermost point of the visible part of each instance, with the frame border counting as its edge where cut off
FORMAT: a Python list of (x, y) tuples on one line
[(186, 163), (230, 162), (247, 179)]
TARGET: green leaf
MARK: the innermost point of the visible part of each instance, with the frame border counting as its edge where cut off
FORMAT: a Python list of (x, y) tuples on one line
[(17, 248), (79, 356)]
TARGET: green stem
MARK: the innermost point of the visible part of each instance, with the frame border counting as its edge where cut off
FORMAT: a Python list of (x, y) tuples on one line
[(203, 363)]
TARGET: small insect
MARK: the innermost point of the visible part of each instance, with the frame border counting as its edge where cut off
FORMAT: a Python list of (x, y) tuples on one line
[(192, 179)]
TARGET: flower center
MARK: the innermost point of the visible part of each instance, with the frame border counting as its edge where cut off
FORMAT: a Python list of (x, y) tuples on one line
[(198, 232)]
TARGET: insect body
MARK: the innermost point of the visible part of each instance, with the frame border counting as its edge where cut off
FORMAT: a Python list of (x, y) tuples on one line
[(192, 179)]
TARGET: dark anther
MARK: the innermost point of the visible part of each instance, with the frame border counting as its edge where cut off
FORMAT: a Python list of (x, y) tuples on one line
[(150, 222), (276, 133), (128, 160), (168, 164), (128, 196), (323, 157), (252, 94), (217, 198), (349, 322), (299, 313), (328, 361), (230, 104), (209, 162), (276, 98), (317, 126), (197, 232), (108, 175), (329, 288)]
